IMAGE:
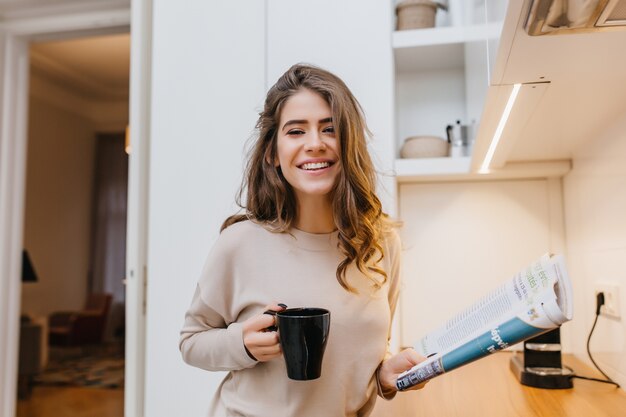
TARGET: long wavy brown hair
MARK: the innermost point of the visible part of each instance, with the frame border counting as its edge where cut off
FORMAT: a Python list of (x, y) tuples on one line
[(357, 210)]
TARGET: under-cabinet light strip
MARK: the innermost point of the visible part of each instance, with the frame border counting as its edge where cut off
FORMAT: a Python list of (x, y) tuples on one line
[(484, 169)]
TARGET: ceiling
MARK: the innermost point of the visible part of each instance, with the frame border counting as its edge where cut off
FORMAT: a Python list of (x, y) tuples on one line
[(95, 67)]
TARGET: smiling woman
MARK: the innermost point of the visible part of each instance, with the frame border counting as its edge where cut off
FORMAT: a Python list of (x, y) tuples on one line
[(313, 235), (315, 112), (308, 156)]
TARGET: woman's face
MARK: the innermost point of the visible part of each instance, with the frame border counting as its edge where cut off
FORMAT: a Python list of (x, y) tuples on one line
[(308, 149)]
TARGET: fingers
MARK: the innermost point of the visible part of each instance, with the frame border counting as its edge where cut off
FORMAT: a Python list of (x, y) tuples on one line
[(261, 339), (258, 323), (267, 352), (405, 359), (412, 356), (263, 357), (395, 365), (276, 307), (261, 322), (271, 310), (260, 343)]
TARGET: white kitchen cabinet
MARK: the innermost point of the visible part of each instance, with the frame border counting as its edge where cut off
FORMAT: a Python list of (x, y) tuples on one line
[(571, 85), (441, 76)]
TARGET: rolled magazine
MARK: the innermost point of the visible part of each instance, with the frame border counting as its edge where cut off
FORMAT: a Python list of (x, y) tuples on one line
[(534, 301)]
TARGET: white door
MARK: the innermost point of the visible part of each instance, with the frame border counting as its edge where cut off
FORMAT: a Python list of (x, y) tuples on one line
[(50, 21), (138, 213)]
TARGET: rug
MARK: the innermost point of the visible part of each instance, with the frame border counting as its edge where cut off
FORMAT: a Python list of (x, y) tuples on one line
[(97, 370)]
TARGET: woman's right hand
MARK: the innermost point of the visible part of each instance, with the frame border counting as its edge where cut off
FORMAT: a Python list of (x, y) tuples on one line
[(261, 344)]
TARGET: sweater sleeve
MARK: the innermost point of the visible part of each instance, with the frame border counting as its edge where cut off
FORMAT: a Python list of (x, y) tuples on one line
[(212, 337), (214, 347), (394, 250)]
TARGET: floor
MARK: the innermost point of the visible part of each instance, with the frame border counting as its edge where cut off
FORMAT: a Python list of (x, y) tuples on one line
[(72, 402), (50, 400)]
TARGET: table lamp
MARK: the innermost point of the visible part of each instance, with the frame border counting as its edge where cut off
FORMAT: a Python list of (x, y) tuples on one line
[(28, 272)]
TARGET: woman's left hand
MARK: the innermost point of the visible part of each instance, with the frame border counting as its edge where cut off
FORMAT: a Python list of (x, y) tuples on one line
[(394, 366)]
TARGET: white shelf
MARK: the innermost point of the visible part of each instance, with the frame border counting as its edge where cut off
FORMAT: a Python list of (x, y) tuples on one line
[(438, 48), (416, 38), (410, 169), (439, 72), (458, 169)]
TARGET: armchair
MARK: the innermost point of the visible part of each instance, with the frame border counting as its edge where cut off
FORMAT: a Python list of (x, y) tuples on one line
[(84, 327), (30, 355)]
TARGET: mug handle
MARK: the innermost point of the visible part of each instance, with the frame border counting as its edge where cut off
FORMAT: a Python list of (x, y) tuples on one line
[(271, 328), (273, 313)]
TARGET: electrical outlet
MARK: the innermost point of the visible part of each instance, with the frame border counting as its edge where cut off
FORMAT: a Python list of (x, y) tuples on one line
[(611, 305)]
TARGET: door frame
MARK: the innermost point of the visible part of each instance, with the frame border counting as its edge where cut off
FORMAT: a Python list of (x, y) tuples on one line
[(59, 21)]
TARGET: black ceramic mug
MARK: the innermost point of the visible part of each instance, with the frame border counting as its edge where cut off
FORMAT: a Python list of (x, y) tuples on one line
[(303, 333)]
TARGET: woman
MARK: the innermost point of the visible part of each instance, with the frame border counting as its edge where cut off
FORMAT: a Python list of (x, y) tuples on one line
[(313, 235)]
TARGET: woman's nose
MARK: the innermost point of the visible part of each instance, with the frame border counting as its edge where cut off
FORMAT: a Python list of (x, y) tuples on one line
[(314, 142)]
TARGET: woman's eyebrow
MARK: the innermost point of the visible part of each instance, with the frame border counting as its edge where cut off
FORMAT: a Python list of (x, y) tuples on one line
[(301, 122), (294, 122)]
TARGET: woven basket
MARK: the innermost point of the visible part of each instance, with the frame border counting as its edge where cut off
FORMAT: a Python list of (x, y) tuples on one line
[(424, 147), (416, 14)]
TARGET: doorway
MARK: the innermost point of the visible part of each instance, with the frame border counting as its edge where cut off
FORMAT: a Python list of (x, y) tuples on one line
[(22, 24), (75, 226)]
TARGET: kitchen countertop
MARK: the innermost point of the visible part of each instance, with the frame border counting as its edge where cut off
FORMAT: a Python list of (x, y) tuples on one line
[(487, 388)]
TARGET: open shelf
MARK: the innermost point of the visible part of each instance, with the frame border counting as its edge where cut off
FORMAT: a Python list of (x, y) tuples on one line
[(410, 169), (441, 75), (441, 47), (415, 38), (459, 169)]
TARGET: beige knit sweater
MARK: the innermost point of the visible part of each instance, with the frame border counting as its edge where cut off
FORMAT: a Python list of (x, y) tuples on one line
[(250, 267)]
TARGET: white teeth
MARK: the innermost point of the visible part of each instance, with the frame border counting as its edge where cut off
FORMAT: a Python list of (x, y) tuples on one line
[(315, 165)]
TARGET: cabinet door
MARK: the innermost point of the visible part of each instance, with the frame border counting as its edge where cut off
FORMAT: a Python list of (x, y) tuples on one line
[(463, 239), (351, 39)]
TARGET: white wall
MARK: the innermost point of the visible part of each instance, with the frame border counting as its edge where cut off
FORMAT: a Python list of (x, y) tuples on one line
[(208, 84), (464, 239), (58, 207), (351, 38), (427, 103), (595, 207)]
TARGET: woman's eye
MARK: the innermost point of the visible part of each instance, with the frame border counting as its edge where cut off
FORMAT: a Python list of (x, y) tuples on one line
[(295, 132), (329, 129)]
